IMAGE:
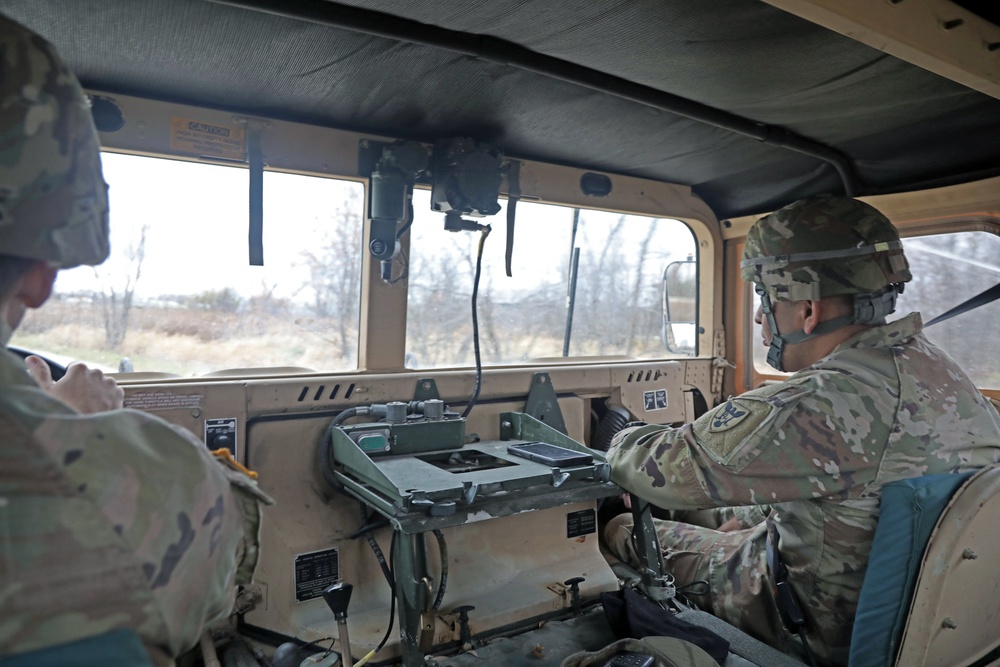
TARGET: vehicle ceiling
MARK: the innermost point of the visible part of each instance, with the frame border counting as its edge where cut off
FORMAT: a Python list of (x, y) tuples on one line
[(899, 126)]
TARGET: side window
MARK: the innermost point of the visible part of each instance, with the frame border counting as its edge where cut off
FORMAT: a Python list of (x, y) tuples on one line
[(178, 294), (947, 269), (616, 308)]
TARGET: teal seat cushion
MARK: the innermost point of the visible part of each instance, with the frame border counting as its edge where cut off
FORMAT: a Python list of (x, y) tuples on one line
[(910, 510), (120, 648)]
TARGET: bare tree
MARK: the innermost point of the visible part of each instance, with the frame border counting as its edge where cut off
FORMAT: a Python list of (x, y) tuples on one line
[(335, 272), (116, 301)]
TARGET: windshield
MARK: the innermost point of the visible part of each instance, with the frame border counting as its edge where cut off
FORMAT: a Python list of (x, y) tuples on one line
[(610, 304), (178, 294)]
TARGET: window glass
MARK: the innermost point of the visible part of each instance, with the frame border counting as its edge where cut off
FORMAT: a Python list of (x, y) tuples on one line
[(947, 269), (617, 307), (178, 294)]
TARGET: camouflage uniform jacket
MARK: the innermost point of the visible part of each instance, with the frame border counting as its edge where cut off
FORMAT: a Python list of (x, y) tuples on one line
[(113, 520), (818, 447)]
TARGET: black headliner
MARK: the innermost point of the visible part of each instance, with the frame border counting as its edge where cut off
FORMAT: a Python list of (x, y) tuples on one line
[(901, 127)]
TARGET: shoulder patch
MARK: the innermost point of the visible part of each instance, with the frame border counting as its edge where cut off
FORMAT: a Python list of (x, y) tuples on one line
[(727, 417), (735, 429)]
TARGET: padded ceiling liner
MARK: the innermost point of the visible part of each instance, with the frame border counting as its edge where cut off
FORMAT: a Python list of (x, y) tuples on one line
[(901, 126)]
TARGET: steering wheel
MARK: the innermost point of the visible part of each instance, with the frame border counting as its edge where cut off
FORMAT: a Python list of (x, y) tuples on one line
[(57, 369)]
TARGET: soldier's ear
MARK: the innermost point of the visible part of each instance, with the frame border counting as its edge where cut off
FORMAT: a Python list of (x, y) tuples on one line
[(809, 311), (35, 286)]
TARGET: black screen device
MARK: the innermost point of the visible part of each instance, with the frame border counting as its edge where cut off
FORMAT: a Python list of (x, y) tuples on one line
[(552, 455), (630, 659)]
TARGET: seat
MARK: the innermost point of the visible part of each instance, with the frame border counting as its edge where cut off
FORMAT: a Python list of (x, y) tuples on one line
[(931, 595), (956, 601), (930, 591), (120, 648)]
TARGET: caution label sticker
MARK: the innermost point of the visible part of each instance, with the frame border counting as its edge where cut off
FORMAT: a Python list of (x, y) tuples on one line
[(162, 400), (208, 139)]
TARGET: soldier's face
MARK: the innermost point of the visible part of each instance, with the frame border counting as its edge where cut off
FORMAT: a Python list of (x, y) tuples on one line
[(789, 317)]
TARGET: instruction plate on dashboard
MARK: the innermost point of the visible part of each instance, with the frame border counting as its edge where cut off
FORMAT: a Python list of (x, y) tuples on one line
[(314, 572), (581, 523)]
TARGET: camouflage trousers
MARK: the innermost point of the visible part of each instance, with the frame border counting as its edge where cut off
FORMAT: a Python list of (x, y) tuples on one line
[(733, 564)]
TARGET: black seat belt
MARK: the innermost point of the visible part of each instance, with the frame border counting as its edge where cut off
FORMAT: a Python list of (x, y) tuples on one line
[(980, 299), (789, 607)]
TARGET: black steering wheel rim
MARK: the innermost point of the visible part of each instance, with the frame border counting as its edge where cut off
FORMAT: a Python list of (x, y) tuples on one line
[(57, 369)]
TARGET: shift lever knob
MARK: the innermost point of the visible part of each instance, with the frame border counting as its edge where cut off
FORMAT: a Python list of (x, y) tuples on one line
[(337, 597)]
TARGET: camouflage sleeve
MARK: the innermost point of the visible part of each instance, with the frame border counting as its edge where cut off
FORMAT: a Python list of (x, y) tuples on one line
[(749, 516), (790, 441), (181, 520)]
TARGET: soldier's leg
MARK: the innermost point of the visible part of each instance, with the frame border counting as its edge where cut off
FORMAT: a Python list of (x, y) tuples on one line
[(712, 518), (733, 564)]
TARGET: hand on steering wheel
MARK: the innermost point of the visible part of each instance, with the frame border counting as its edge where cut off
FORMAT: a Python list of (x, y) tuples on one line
[(85, 389), (56, 370)]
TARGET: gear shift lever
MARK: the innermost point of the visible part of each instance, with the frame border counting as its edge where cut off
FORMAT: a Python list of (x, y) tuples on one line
[(337, 597)]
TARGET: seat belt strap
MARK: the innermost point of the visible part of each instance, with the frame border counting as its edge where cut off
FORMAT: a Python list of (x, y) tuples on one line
[(981, 299)]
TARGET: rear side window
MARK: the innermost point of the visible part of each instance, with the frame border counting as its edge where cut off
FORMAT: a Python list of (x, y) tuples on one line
[(624, 263), (948, 269)]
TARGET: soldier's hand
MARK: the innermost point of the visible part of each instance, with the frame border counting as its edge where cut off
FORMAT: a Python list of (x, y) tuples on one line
[(82, 388), (729, 526)]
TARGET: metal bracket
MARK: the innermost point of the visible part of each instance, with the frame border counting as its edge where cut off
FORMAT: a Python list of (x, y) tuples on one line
[(426, 390), (543, 404)]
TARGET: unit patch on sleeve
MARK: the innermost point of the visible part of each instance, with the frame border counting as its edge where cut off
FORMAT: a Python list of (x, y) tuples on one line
[(727, 417)]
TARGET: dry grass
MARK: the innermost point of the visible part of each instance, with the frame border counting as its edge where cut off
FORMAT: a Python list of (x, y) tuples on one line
[(185, 341)]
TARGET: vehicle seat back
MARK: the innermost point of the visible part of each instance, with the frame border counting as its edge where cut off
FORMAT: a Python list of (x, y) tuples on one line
[(910, 509), (956, 601)]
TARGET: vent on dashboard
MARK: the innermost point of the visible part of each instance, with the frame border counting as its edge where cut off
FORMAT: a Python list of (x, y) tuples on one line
[(643, 376), (318, 393)]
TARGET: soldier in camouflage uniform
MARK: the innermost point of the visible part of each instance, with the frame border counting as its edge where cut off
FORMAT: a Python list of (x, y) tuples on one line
[(109, 518), (868, 403)]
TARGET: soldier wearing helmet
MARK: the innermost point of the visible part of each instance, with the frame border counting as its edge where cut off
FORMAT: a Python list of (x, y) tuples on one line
[(797, 468), (110, 519)]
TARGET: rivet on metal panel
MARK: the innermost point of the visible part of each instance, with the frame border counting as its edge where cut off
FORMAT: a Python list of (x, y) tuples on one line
[(969, 554), (196, 412), (948, 623)]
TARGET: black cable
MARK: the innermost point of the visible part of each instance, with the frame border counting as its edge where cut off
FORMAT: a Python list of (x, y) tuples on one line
[(392, 603), (486, 229), (344, 416), (809, 651), (409, 217), (388, 570), (443, 548), (316, 642)]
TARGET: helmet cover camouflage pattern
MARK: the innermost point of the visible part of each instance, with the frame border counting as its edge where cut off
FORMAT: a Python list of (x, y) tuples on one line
[(53, 198), (823, 246)]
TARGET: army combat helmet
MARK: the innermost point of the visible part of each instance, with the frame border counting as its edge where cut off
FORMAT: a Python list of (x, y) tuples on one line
[(53, 199), (821, 247)]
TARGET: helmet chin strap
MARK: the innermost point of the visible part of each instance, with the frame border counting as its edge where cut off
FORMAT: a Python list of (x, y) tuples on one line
[(776, 350)]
